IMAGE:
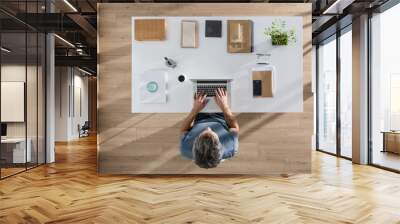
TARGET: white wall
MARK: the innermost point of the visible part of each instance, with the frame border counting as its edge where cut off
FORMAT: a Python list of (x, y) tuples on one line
[(12, 73), (12, 101), (17, 73), (79, 117), (69, 81), (62, 81), (33, 126)]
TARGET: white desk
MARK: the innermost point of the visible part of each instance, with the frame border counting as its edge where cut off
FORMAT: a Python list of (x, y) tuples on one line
[(211, 60), (18, 149)]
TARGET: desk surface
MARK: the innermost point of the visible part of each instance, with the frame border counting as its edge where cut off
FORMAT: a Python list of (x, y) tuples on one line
[(211, 60), (390, 132), (13, 140)]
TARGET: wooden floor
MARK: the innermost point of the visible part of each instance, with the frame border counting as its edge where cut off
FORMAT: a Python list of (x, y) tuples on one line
[(5, 172), (70, 191), (386, 159)]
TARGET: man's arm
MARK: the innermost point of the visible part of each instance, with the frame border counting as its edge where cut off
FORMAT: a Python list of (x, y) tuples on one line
[(222, 101), (231, 120), (188, 122), (200, 102)]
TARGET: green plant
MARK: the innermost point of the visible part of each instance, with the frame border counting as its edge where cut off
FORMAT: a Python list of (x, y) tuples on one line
[(279, 34)]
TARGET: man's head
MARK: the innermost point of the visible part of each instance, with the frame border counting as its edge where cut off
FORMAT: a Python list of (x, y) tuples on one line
[(207, 149)]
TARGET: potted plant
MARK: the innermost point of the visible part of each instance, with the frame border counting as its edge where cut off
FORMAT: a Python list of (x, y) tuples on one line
[(279, 34)]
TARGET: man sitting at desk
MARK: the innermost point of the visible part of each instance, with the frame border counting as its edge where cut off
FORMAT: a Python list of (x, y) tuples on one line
[(209, 138)]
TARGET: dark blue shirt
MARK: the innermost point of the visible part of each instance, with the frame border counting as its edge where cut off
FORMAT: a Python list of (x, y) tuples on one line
[(229, 140)]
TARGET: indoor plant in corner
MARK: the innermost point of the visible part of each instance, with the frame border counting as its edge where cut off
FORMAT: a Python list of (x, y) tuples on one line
[(279, 34)]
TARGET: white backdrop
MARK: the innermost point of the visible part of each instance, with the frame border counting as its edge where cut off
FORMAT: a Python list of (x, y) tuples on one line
[(12, 101), (211, 60)]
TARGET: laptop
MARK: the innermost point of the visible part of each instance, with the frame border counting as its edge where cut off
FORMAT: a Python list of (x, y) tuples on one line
[(209, 86)]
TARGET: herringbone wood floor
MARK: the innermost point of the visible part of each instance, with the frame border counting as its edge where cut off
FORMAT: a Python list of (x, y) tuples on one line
[(70, 191)]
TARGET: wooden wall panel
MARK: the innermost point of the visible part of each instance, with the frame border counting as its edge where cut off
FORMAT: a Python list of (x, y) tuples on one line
[(270, 143)]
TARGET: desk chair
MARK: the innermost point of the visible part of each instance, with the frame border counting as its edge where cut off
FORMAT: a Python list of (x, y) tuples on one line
[(84, 130)]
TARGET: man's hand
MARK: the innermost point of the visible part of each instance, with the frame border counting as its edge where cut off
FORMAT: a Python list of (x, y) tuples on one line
[(199, 103), (221, 99)]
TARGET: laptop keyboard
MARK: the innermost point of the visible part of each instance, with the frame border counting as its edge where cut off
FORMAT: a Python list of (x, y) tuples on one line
[(209, 88)]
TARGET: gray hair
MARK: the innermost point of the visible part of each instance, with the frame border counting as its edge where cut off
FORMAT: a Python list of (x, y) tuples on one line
[(207, 151)]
